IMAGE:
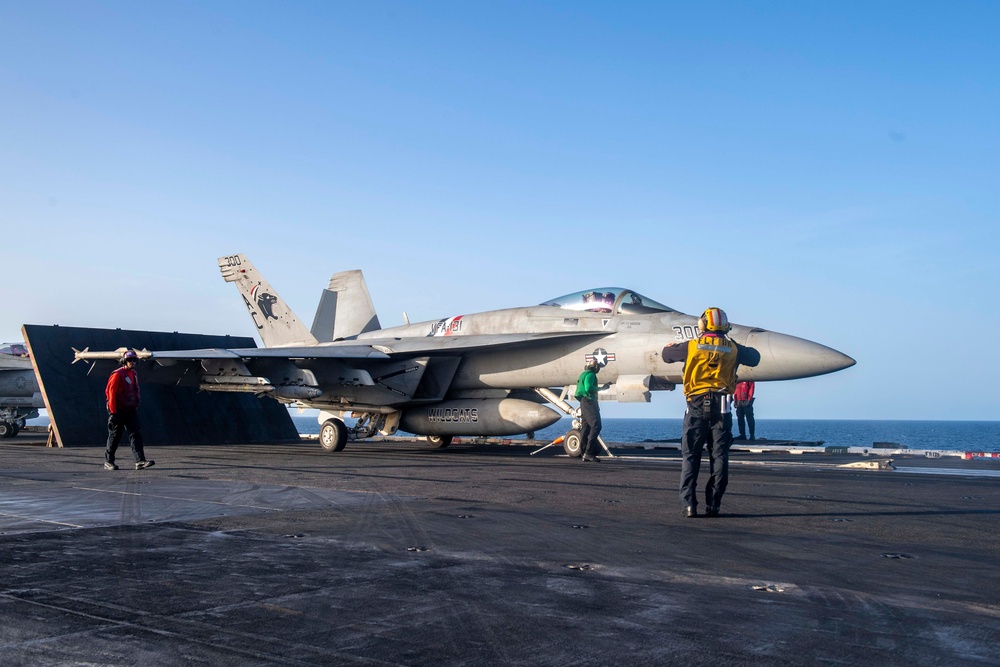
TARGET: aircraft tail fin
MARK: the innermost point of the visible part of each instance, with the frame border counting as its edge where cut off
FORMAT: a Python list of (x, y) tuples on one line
[(275, 321), (345, 308)]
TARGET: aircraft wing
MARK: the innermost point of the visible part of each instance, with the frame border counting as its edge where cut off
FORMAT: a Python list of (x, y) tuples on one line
[(305, 352), (370, 348), (372, 371)]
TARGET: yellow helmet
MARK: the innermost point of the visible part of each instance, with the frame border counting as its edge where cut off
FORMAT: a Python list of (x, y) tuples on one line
[(714, 320)]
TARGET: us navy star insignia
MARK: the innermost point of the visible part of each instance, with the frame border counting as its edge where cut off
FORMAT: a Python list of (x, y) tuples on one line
[(602, 357)]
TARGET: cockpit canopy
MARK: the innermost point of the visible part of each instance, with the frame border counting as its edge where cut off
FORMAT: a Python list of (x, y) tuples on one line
[(14, 349), (613, 300)]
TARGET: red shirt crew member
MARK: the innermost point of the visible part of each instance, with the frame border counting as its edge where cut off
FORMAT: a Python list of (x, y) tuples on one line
[(123, 398), (743, 400)]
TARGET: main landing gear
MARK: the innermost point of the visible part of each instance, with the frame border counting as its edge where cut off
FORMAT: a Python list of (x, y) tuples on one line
[(333, 435), (439, 441), (9, 429)]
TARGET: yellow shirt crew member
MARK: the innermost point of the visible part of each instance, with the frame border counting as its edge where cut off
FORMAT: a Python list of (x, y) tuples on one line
[(710, 363)]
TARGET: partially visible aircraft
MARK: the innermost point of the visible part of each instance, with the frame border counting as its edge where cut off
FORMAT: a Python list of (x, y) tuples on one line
[(481, 374), (20, 397)]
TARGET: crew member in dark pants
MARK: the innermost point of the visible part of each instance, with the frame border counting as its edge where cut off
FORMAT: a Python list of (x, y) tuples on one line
[(122, 393), (743, 400), (590, 411), (710, 363)]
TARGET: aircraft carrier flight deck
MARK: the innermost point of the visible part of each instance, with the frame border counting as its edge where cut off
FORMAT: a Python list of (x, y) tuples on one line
[(392, 553)]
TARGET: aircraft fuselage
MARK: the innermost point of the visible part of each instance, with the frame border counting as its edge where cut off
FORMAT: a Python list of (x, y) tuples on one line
[(629, 346)]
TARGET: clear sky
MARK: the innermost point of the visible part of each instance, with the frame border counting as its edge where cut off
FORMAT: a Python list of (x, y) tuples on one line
[(828, 170)]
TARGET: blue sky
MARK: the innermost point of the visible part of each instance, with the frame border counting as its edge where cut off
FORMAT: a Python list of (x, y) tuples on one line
[(827, 170)]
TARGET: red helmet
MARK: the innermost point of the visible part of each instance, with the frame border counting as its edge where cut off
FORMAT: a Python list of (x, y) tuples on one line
[(129, 355)]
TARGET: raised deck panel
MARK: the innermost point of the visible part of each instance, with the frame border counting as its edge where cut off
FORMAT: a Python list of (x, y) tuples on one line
[(170, 415)]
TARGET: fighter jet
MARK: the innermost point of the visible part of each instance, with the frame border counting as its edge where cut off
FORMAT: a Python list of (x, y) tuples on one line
[(484, 374), (20, 398)]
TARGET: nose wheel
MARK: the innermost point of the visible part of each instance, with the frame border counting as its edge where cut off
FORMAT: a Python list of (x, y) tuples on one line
[(573, 443)]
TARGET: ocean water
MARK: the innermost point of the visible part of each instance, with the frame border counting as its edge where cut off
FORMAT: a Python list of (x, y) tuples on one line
[(962, 436), (968, 436)]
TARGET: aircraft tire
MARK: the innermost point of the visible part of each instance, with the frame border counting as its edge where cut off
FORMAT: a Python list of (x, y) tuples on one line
[(333, 435), (17, 429), (573, 443), (7, 430), (439, 441)]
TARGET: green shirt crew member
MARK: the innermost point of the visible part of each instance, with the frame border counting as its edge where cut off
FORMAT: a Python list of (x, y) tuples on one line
[(590, 411)]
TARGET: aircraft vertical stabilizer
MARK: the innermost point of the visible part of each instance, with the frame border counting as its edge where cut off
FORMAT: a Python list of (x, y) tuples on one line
[(345, 308), (276, 323)]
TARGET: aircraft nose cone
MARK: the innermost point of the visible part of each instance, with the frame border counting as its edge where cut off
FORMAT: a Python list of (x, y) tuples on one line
[(784, 357)]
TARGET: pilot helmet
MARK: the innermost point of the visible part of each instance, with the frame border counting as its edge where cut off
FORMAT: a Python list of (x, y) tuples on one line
[(714, 320), (129, 355)]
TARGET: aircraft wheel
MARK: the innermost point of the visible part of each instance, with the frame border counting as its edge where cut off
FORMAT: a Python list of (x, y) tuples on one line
[(17, 429), (333, 435), (573, 443), (439, 441), (530, 435), (6, 430)]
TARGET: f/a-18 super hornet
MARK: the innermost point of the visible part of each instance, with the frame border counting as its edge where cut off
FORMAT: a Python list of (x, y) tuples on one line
[(484, 374), (20, 398)]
